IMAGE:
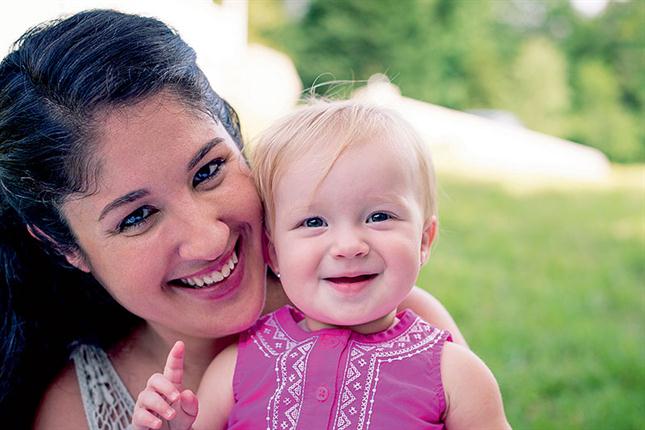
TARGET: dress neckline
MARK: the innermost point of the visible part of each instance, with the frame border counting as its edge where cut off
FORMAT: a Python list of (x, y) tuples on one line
[(289, 317)]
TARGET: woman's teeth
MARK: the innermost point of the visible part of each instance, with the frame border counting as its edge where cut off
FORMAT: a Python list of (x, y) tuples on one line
[(213, 277)]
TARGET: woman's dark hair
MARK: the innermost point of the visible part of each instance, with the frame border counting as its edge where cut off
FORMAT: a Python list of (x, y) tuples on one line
[(54, 82)]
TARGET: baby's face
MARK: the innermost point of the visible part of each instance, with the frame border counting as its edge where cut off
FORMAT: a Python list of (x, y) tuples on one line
[(349, 246)]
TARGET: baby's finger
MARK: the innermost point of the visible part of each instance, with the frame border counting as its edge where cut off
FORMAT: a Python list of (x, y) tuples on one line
[(174, 369), (144, 420), (153, 402), (163, 386)]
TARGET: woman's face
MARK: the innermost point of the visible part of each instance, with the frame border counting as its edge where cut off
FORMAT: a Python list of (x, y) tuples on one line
[(174, 231)]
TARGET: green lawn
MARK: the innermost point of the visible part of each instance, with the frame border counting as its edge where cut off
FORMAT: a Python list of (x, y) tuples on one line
[(549, 289)]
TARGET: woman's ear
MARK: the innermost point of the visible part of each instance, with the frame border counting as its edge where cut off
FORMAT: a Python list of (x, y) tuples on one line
[(75, 258), (427, 237)]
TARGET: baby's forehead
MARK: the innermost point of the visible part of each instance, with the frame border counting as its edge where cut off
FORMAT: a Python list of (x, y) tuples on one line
[(370, 167), (323, 150)]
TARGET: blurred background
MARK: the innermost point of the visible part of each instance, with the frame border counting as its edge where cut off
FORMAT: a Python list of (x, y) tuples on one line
[(535, 113)]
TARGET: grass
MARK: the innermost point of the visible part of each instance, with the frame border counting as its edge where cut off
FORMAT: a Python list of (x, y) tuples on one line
[(549, 289)]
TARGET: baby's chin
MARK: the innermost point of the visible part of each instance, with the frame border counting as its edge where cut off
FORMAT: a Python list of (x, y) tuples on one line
[(372, 323)]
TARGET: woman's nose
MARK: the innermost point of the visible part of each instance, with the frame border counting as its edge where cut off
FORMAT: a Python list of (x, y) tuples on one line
[(203, 238), (349, 245)]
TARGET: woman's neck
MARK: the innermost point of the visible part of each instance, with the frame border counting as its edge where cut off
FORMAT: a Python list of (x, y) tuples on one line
[(151, 345)]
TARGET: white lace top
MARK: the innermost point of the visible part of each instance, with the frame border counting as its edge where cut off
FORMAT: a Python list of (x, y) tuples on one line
[(107, 403)]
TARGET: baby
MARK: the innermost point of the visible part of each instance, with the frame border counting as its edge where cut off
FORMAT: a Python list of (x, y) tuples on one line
[(350, 209)]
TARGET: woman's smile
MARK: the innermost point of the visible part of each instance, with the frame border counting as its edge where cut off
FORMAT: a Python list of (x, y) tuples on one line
[(211, 275), (216, 284)]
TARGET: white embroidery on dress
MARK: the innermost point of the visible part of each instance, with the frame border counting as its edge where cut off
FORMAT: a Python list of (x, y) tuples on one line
[(283, 408), (418, 338), (272, 340)]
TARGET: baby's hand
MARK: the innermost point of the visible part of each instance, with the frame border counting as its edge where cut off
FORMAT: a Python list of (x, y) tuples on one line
[(163, 404)]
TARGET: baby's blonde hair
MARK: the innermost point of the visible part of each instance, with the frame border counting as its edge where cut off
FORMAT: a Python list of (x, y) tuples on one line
[(327, 129)]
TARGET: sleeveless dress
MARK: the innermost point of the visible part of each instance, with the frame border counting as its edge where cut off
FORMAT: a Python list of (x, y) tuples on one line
[(108, 404), (287, 378)]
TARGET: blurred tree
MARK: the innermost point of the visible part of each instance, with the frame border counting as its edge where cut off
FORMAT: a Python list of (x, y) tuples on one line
[(540, 65), (601, 120), (538, 58), (412, 41), (265, 16), (609, 81)]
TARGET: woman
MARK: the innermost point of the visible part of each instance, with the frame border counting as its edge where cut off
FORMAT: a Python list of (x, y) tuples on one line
[(128, 220)]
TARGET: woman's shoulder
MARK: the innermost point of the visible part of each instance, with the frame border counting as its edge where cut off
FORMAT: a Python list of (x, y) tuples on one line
[(62, 406), (471, 389)]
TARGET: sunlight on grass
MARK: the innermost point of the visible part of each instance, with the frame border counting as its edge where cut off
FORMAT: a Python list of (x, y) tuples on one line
[(549, 289), (620, 177)]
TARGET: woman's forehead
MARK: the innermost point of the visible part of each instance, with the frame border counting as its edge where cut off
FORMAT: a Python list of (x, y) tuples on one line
[(152, 142), (155, 116)]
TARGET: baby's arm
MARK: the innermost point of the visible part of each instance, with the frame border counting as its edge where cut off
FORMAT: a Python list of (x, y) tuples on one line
[(472, 396), (216, 391), (431, 310)]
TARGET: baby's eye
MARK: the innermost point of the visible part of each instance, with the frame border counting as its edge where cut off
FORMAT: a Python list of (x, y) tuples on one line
[(137, 218), (314, 222), (379, 217), (208, 171)]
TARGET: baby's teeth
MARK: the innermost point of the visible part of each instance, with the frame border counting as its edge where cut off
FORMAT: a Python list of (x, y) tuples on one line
[(231, 264), (199, 281), (226, 271), (208, 280), (190, 282), (234, 258), (217, 277)]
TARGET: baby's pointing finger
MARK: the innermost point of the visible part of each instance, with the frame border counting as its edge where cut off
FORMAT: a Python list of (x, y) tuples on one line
[(174, 369)]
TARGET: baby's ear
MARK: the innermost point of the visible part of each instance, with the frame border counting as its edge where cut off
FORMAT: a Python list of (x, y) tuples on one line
[(268, 250), (75, 258), (427, 237)]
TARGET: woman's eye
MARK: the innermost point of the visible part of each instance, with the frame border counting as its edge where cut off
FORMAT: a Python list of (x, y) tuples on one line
[(379, 217), (137, 218), (314, 222), (208, 171)]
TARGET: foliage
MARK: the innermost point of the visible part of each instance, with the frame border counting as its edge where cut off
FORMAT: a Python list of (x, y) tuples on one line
[(563, 74), (539, 64), (603, 121)]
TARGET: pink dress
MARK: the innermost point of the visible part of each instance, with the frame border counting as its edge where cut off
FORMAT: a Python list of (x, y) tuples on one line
[(287, 378)]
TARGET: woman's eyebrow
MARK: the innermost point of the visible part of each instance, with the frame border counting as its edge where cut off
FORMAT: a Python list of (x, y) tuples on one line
[(127, 198), (202, 152)]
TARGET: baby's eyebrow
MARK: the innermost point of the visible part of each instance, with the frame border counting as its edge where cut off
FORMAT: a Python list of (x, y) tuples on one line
[(297, 209)]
